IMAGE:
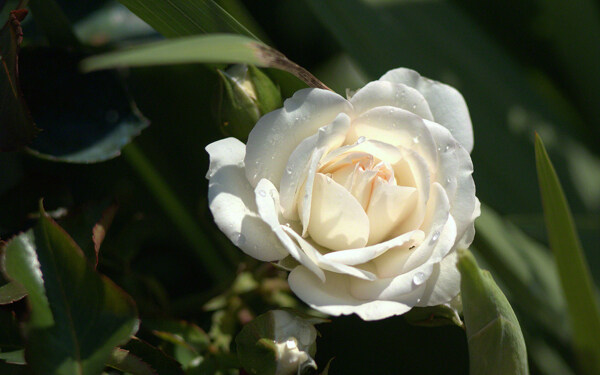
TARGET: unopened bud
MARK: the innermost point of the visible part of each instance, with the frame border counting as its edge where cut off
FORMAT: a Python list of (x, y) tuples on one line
[(246, 95)]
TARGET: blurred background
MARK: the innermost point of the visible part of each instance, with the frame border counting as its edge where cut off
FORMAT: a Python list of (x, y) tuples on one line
[(523, 67)]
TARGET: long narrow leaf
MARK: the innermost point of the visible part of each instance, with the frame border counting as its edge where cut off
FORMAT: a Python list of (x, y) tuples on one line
[(577, 285), (214, 48)]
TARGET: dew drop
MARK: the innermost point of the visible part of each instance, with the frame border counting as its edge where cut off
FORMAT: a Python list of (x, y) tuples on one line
[(435, 236), (361, 140), (414, 106), (448, 180), (239, 239), (262, 193), (416, 140), (288, 170), (419, 278)]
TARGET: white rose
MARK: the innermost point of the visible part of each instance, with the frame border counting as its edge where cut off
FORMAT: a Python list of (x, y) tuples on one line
[(371, 195)]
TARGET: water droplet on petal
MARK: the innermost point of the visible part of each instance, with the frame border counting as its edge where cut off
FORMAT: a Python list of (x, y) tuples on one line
[(414, 106), (288, 170), (416, 139), (419, 278), (262, 193), (360, 140), (435, 236), (239, 239)]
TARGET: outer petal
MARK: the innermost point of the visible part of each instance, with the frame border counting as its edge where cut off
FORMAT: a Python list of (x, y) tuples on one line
[(278, 133), (446, 103), (231, 201), (333, 297), (455, 175), (444, 283), (383, 93)]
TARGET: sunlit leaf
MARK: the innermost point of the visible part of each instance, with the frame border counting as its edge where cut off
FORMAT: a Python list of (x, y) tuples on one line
[(214, 48), (77, 316), (577, 284), (496, 344), (11, 292)]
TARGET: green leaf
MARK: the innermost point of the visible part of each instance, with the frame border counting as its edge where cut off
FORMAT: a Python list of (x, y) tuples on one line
[(78, 125), (140, 358), (16, 125), (77, 315), (496, 344), (11, 292), (16, 357), (577, 284), (186, 17), (214, 48)]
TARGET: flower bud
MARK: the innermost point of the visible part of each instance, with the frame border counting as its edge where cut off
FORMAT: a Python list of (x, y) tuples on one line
[(278, 342), (246, 94)]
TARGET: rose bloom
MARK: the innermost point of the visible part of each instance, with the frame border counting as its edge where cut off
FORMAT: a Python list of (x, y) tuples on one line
[(371, 195)]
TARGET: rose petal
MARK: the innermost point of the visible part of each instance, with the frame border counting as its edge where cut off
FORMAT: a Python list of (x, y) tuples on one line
[(337, 220), (440, 236), (446, 103), (359, 256), (267, 200), (299, 167), (277, 134), (455, 175), (333, 296), (444, 283), (383, 93), (412, 171), (388, 206), (400, 288), (231, 201), (378, 149), (326, 263), (396, 127)]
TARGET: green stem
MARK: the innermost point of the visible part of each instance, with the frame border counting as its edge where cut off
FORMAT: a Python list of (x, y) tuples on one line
[(175, 210)]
